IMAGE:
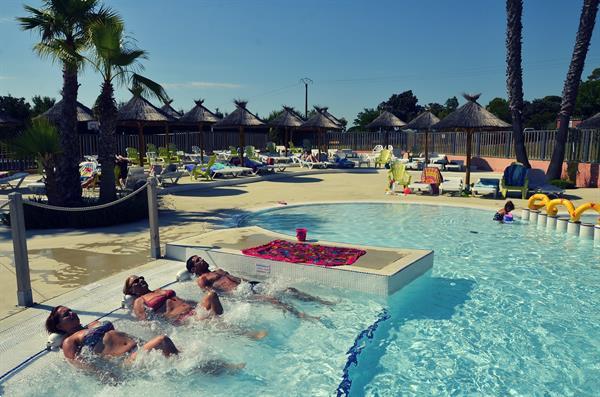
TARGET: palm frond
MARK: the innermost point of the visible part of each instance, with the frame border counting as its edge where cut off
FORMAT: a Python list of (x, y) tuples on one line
[(41, 140), (148, 87)]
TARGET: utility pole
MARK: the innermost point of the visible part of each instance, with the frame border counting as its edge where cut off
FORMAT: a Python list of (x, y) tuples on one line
[(306, 81)]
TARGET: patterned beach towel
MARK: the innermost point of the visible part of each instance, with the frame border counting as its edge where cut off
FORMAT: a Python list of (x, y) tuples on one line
[(288, 251)]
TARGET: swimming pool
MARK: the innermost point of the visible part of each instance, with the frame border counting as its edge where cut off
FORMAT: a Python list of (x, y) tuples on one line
[(507, 309)]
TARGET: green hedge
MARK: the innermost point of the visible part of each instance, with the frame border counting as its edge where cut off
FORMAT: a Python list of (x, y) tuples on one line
[(133, 209)]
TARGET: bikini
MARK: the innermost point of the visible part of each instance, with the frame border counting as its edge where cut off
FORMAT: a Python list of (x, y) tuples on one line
[(95, 335), (157, 301)]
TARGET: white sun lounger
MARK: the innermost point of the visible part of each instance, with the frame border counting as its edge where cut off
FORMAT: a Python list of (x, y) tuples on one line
[(232, 171), (452, 185), (17, 179)]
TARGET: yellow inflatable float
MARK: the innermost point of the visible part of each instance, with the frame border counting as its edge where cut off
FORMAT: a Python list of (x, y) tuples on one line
[(539, 200)]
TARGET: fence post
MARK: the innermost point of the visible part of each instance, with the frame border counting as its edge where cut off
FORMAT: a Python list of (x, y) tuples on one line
[(17, 227), (153, 219)]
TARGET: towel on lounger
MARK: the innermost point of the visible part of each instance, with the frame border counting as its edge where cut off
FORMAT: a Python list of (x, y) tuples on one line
[(288, 251)]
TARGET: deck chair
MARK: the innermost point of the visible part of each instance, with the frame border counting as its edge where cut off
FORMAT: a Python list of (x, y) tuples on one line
[(385, 156), (164, 155), (16, 179), (134, 176), (166, 174), (203, 171), (398, 176), (538, 183), (431, 179), (516, 178), (487, 186), (293, 149), (453, 184), (133, 155), (250, 152)]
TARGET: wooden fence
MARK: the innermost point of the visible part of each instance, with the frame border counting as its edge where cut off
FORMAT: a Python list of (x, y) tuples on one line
[(582, 145)]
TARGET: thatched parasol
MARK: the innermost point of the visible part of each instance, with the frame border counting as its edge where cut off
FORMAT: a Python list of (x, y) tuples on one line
[(241, 118), (286, 120), (386, 121), (325, 111), (199, 116), (320, 122), (169, 110), (593, 123), (471, 116), (423, 122), (54, 114), (139, 112)]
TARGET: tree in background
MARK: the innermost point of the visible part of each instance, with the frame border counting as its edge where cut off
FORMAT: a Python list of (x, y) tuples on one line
[(500, 108), (582, 43), (363, 118), (116, 60), (514, 77), (41, 104), (403, 105), (540, 113), (15, 107), (588, 97), (64, 27)]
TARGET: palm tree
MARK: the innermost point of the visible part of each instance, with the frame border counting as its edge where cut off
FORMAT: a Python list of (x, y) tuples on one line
[(64, 27), (569, 96), (514, 75), (41, 140), (116, 61)]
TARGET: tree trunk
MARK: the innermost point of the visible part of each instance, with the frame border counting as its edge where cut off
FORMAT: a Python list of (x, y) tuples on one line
[(67, 167), (582, 43), (107, 112), (514, 74), (52, 191)]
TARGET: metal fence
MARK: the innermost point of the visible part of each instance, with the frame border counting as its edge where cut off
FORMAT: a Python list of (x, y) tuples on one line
[(582, 145)]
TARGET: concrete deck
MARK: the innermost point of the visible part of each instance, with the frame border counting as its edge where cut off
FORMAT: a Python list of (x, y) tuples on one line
[(64, 260), (381, 271)]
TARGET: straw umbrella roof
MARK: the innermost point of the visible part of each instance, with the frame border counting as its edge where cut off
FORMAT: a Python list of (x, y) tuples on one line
[(591, 123), (325, 111), (240, 117), (423, 121), (8, 121), (320, 120), (471, 115), (287, 118), (139, 109), (168, 109), (386, 120), (54, 114), (199, 114)]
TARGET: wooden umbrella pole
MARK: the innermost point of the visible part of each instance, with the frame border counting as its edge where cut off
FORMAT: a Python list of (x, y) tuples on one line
[(167, 135), (426, 148), (468, 174), (201, 130), (241, 146), (387, 138), (285, 141), (140, 142)]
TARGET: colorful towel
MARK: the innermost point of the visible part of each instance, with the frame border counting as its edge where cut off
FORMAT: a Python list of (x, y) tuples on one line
[(288, 251)]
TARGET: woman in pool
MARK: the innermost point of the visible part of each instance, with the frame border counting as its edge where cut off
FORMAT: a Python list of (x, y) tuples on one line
[(99, 338), (504, 211), (164, 303)]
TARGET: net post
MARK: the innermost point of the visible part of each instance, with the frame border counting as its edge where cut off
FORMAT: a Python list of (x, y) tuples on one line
[(153, 219), (17, 227)]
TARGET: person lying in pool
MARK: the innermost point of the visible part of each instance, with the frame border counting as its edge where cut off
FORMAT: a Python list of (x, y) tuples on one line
[(165, 304), (223, 282), (99, 338)]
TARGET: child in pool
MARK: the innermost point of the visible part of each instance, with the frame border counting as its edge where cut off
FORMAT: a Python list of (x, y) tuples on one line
[(504, 211)]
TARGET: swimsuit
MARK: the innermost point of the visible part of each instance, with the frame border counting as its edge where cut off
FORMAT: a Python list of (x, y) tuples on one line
[(95, 335), (159, 300), (498, 216)]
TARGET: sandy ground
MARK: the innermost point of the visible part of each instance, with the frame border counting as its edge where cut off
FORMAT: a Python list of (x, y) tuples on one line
[(62, 260)]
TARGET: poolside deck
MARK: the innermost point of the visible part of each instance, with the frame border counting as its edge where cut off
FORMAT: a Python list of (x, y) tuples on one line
[(381, 271)]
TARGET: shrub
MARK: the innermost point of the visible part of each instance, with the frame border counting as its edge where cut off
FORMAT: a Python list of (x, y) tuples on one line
[(563, 183), (133, 209)]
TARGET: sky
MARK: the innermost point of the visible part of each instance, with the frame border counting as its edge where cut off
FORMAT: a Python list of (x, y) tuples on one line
[(357, 52)]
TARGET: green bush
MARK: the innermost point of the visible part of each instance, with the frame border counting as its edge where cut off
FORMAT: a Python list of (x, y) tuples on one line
[(563, 183), (133, 209)]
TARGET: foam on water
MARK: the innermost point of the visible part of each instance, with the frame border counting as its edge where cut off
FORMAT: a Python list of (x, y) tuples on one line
[(507, 309)]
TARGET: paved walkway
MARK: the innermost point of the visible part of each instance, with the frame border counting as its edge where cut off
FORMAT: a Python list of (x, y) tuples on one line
[(61, 260)]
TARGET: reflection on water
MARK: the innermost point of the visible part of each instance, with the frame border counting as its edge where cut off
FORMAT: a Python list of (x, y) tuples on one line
[(77, 267)]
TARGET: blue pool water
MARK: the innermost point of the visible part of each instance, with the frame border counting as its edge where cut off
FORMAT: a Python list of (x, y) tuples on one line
[(506, 310)]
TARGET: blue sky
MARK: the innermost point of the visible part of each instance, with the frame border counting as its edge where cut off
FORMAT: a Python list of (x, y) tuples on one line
[(358, 53)]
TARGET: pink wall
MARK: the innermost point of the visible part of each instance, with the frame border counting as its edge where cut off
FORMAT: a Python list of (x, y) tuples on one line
[(587, 174)]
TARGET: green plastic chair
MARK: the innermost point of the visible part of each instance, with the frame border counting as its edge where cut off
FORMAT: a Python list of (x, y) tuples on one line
[(150, 147), (398, 176), (515, 178), (250, 152), (133, 155), (198, 172), (293, 149), (164, 155), (385, 156)]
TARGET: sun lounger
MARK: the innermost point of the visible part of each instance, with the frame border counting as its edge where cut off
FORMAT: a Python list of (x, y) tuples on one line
[(487, 186), (452, 185), (397, 176), (516, 177), (203, 171), (538, 183), (166, 174), (13, 181), (431, 178), (135, 177)]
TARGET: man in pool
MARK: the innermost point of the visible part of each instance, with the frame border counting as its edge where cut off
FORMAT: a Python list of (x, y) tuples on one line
[(222, 282)]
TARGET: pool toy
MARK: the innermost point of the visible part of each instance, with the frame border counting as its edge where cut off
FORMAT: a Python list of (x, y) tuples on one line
[(540, 200), (508, 218)]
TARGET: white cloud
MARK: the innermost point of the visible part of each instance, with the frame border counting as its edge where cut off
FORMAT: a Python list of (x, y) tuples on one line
[(6, 19), (6, 77), (201, 84)]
